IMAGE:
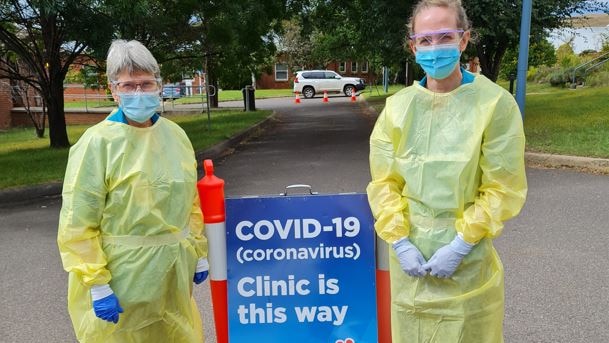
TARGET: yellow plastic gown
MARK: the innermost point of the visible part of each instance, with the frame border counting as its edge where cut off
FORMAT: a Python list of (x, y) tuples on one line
[(443, 163), (131, 218)]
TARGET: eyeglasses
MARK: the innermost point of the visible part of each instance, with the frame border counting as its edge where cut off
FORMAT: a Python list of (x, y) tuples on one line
[(150, 85), (437, 37)]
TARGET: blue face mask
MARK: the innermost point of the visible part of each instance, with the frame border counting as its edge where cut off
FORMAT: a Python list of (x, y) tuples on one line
[(139, 107), (438, 61)]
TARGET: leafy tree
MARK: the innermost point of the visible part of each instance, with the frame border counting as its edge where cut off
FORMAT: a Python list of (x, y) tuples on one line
[(164, 27), (376, 29), (39, 40), (540, 53), (498, 29), (238, 37), (360, 29), (74, 76), (565, 56), (294, 44), (604, 42)]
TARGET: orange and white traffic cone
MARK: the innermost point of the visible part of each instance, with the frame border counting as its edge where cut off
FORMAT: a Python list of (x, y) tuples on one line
[(353, 98), (211, 196), (297, 98), (325, 96)]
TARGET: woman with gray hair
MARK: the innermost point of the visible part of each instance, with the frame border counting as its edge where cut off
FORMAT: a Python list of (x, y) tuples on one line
[(131, 229)]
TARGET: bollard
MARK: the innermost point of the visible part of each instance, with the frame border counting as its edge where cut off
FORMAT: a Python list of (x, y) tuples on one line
[(211, 196)]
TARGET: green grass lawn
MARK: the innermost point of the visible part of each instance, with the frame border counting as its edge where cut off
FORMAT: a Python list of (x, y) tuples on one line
[(561, 121), (376, 96), (90, 103), (228, 95), (27, 160), (557, 120), (569, 122), (224, 95)]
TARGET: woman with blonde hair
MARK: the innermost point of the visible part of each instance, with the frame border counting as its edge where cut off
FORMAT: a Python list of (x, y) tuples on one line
[(447, 167)]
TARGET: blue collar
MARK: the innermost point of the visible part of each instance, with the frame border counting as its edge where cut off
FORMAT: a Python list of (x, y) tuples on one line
[(467, 78), (119, 117)]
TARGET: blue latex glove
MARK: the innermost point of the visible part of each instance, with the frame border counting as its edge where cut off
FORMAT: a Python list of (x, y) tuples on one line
[(410, 257), (105, 303), (445, 260), (202, 271)]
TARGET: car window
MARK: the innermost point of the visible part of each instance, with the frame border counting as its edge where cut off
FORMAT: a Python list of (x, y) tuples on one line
[(330, 75)]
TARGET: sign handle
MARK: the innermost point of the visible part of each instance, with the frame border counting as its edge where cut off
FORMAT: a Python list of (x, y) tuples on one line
[(299, 186)]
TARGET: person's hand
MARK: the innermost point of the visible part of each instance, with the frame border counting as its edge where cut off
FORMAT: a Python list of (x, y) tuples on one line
[(410, 257), (105, 303), (445, 260), (202, 271)]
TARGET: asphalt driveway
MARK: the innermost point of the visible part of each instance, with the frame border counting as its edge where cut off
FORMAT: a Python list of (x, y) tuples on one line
[(555, 253)]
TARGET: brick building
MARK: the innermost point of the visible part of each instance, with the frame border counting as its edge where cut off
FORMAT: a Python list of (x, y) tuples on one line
[(282, 77), (6, 104)]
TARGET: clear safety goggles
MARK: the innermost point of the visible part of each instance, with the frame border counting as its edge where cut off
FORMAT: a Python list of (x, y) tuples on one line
[(131, 86), (439, 37)]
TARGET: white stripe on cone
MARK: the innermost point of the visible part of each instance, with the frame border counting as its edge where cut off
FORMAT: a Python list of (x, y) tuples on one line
[(216, 236)]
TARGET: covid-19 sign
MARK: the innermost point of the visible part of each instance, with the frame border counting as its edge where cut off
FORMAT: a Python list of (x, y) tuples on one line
[(301, 269)]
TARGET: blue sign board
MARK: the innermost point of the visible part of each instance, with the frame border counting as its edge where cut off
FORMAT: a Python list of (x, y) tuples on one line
[(301, 269)]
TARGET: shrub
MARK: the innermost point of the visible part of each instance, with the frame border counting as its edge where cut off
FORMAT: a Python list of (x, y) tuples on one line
[(541, 74), (598, 79), (561, 77), (531, 73)]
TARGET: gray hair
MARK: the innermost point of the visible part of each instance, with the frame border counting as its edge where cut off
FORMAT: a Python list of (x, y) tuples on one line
[(462, 20), (130, 56)]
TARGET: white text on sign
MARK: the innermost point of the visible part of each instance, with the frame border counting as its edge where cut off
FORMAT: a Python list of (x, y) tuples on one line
[(276, 315), (264, 286), (296, 228)]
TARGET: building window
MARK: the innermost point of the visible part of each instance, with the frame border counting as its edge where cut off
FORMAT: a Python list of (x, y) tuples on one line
[(365, 67), (353, 67), (342, 67), (281, 72)]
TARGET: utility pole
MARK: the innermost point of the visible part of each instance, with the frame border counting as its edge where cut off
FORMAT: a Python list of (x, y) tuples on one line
[(523, 54)]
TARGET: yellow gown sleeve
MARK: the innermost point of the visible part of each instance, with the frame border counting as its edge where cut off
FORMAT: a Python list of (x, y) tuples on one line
[(503, 186), (197, 228), (384, 191), (84, 196)]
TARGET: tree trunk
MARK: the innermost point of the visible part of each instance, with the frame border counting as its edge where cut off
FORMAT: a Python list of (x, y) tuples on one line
[(490, 56), (58, 133), (409, 73)]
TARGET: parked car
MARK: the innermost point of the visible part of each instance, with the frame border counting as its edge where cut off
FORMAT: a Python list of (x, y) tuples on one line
[(311, 82), (171, 92)]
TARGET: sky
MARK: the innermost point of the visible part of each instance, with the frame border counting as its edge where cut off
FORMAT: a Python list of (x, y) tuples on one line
[(586, 38), (603, 3)]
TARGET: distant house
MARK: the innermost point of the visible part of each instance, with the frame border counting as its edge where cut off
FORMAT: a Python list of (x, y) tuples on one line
[(6, 104), (359, 69), (282, 77)]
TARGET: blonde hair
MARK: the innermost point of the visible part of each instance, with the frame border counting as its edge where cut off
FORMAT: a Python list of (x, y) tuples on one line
[(130, 56), (462, 20)]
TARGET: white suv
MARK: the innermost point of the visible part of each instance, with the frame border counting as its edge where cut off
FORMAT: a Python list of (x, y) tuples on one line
[(311, 82)]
